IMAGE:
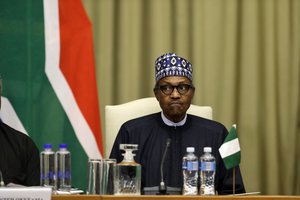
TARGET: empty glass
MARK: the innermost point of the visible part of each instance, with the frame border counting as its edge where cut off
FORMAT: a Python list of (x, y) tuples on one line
[(101, 176)]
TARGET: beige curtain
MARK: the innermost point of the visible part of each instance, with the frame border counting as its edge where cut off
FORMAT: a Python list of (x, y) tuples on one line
[(246, 59)]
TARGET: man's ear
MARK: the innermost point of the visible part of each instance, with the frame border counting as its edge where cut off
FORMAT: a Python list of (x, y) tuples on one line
[(193, 93), (155, 91)]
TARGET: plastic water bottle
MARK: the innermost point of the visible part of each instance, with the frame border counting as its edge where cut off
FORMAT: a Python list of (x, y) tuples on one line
[(47, 167), (207, 172), (190, 172), (63, 168)]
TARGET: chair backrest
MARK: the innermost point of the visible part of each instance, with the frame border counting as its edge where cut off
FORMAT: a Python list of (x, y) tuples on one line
[(116, 115)]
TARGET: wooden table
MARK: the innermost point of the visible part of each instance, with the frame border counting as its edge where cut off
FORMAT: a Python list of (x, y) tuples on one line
[(169, 197)]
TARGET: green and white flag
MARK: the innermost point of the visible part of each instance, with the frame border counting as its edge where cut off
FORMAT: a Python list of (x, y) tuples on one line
[(230, 149)]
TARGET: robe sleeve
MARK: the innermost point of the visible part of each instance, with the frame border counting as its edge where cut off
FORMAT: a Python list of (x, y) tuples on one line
[(120, 139), (32, 164)]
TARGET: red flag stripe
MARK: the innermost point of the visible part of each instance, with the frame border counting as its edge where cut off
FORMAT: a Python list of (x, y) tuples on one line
[(77, 61), (61, 86)]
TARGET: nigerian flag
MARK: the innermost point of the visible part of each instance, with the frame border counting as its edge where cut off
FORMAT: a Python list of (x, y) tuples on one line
[(49, 83), (230, 149)]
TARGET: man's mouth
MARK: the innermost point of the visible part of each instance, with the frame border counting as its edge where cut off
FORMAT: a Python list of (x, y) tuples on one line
[(175, 103)]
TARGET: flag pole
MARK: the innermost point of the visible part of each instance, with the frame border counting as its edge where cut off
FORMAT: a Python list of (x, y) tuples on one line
[(230, 153), (233, 173), (233, 180)]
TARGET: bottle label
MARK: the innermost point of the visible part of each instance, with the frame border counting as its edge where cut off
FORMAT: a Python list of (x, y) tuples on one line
[(184, 165), (192, 165), (208, 166), (62, 175), (48, 175)]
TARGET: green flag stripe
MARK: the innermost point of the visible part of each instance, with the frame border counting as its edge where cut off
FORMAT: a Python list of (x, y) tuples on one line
[(26, 86), (232, 135), (233, 160)]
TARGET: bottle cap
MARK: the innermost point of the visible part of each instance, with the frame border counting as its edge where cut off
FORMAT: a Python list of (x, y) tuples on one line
[(190, 149), (47, 146), (62, 146), (207, 149)]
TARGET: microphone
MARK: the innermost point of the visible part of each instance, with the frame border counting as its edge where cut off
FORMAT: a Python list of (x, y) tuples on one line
[(1, 180), (162, 187)]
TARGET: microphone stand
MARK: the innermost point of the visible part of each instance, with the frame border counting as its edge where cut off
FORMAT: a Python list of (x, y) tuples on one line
[(162, 189), (1, 180)]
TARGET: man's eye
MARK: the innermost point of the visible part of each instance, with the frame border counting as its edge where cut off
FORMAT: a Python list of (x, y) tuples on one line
[(182, 87), (167, 87)]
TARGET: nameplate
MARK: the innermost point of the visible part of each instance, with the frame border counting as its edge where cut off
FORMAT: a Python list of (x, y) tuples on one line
[(30, 193)]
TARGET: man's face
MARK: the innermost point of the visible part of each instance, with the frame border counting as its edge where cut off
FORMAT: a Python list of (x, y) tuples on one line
[(174, 105)]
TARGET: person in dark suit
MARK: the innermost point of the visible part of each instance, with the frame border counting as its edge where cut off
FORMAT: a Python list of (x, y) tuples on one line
[(174, 91), (19, 156)]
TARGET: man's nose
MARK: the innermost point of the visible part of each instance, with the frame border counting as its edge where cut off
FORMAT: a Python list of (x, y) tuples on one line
[(175, 93)]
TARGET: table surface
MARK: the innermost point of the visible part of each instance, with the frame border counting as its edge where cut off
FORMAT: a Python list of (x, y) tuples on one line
[(168, 197)]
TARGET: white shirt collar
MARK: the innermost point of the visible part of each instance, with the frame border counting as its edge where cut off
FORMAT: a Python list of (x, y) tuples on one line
[(170, 123)]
